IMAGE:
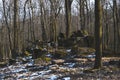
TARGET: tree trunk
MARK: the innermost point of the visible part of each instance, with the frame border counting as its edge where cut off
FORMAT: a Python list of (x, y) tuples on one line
[(44, 36), (98, 34), (88, 16), (82, 14), (23, 27), (32, 21), (8, 27), (15, 29), (106, 28), (68, 16), (116, 26)]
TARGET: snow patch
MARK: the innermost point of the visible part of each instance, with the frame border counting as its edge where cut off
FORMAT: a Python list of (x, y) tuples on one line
[(66, 78)]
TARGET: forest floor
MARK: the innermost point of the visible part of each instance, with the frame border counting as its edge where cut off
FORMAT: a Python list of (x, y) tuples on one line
[(62, 69)]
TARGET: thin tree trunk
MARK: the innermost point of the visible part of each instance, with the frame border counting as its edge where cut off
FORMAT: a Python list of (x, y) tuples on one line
[(88, 16), (82, 14), (106, 28), (32, 20), (98, 35), (68, 16), (44, 37), (114, 25), (15, 29), (8, 27), (23, 28)]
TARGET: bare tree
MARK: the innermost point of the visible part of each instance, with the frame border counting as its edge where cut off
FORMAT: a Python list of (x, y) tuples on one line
[(82, 14), (32, 21), (15, 28), (23, 27), (115, 24), (98, 34), (8, 27), (42, 10), (68, 4), (55, 10)]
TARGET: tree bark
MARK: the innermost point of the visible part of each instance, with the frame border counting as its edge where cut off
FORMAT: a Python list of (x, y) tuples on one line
[(15, 29), (98, 35), (8, 27), (68, 16), (44, 36)]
